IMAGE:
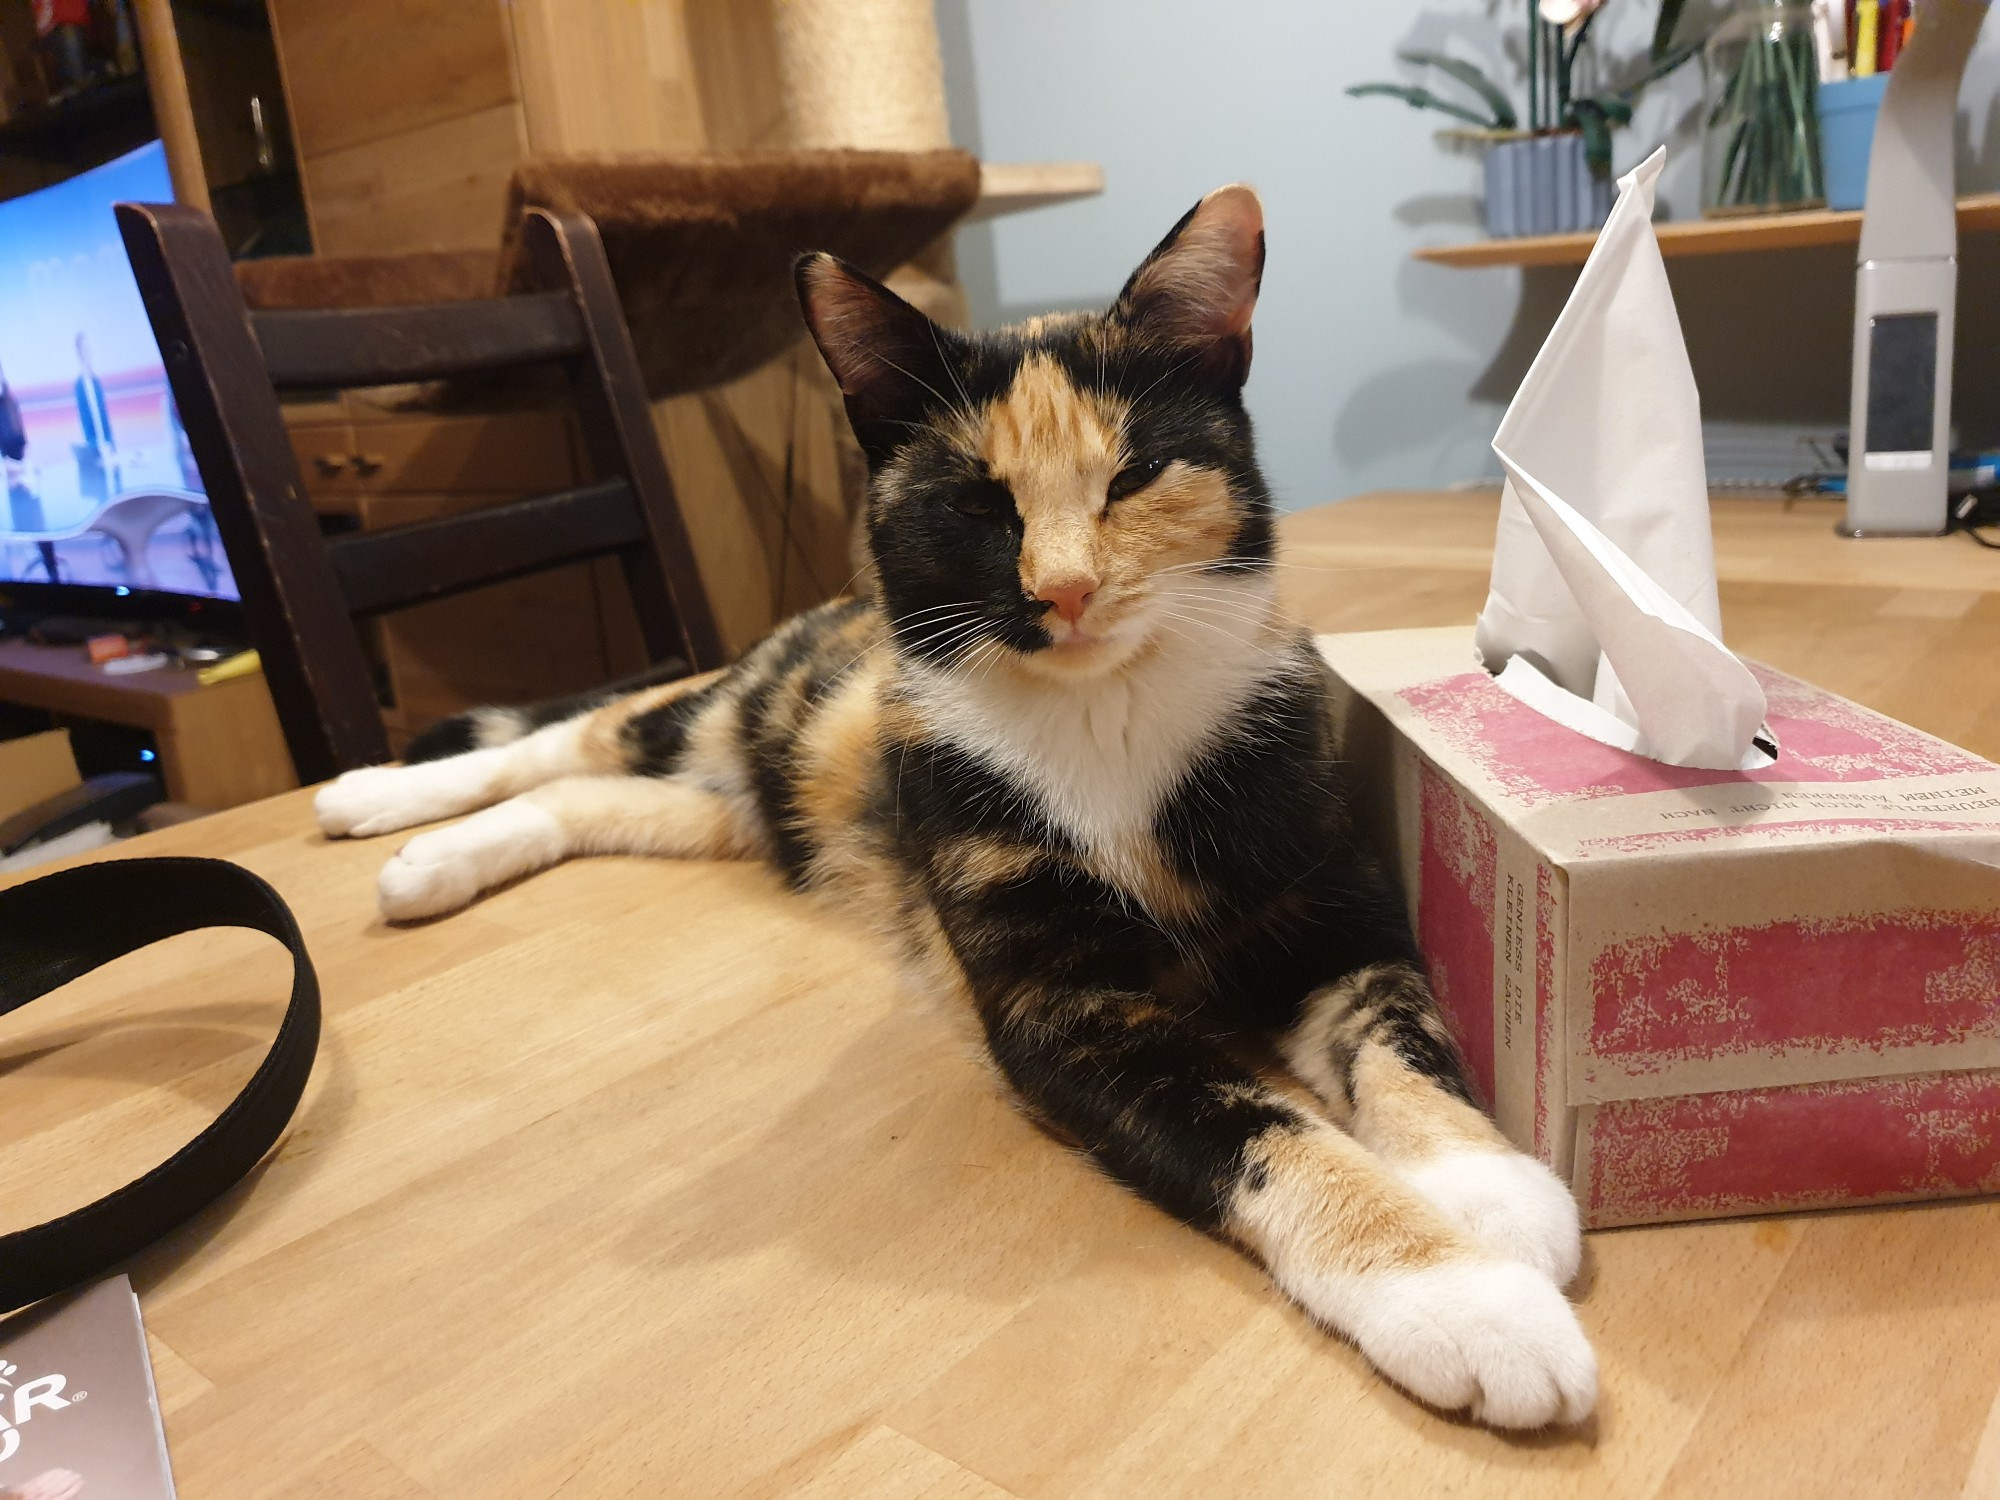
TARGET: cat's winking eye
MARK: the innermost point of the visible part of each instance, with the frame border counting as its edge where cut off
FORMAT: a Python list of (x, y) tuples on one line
[(981, 499), (1133, 478)]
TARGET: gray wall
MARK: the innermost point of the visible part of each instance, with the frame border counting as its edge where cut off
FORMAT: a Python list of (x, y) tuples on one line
[(1374, 370)]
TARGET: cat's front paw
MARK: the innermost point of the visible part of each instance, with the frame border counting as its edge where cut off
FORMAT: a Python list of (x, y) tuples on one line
[(375, 799), (1511, 1206), (1492, 1338), (383, 799), (412, 886), (443, 870)]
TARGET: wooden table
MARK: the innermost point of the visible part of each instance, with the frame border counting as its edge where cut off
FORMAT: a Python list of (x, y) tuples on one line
[(219, 745), (645, 1179)]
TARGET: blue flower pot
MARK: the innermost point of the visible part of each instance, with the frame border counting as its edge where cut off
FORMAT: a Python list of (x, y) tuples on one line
[(1543, 184)]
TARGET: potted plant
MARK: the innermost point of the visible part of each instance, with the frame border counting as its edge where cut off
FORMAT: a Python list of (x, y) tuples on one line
[(1552, 174)]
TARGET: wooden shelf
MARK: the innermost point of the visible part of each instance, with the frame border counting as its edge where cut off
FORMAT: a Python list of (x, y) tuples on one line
[(1012, 188), (1700, 237), (219, 745)]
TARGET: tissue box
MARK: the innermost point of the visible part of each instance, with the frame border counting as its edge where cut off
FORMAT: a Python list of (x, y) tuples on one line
[(1696, 993)]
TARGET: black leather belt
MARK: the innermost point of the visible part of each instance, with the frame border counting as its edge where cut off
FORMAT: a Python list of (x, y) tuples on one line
[(59, 927)]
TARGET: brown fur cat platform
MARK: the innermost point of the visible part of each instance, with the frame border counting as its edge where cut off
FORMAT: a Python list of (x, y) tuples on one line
[(1074, 756)]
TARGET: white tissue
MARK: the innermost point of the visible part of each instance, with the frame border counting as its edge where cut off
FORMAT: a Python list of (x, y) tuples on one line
[(1602, 612)]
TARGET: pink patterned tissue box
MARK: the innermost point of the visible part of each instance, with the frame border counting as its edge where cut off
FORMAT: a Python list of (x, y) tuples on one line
[(1696, 993)]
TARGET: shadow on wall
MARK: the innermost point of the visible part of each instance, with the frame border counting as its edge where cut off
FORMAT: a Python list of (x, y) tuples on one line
[(1393, 413), (1769, 336)]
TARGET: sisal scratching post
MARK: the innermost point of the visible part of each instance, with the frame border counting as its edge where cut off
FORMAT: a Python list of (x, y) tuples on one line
[(869, 74), (862, 73)]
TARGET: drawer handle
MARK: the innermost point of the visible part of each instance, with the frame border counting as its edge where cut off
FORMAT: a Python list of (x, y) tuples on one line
[(329, 464), (366, 464)]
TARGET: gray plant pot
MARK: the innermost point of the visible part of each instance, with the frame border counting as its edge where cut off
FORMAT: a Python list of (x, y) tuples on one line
[(1543, 184)]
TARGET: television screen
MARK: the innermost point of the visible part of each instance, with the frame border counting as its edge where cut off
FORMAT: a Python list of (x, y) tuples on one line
[(101, 488)]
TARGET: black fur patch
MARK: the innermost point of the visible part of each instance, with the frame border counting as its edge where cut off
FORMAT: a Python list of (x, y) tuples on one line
[(447, 737), (655, 739)]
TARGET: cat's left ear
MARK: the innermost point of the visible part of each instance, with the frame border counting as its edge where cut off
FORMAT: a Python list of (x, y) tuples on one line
[(1199, 286)]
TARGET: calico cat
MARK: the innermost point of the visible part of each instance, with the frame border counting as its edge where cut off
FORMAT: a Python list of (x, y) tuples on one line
[(1074, 750)]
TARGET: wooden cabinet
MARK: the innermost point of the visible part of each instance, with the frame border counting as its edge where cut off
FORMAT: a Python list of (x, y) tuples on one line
[(373, 465)]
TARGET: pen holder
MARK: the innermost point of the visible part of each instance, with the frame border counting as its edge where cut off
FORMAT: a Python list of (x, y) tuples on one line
[(1847, 112)]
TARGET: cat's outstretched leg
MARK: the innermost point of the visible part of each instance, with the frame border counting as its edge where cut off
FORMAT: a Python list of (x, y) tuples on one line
[(485, 756), (442, 870), (1374, 1046), (1056, 968), (1165, 1111), (383, 799)]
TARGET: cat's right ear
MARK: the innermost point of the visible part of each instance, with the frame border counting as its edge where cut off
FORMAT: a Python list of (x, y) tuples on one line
[(887, 357)]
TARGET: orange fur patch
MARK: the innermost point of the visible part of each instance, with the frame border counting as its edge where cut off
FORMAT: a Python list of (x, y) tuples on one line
[(839, 754), (1325, 1201), (1056, 448), (1408, 1118)]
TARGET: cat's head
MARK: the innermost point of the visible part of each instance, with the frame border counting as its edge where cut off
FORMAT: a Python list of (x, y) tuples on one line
[(1064, 493)]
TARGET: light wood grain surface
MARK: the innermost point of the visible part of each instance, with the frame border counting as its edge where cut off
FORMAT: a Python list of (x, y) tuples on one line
[(646, 1179)]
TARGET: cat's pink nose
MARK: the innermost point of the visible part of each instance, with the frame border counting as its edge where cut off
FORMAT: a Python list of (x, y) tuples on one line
[(1070, 596)]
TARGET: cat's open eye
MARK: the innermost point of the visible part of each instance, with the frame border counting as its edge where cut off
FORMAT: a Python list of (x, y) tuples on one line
[(1133, 478), (982, 499)]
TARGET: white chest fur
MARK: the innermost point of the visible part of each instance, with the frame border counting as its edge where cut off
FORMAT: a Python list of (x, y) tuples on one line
[(1099, 754)]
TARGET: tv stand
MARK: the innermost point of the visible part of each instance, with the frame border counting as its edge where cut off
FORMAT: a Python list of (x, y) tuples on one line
[(218, 745)]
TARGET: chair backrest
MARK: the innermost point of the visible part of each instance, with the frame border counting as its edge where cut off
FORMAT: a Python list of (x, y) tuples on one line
[(300, 591)]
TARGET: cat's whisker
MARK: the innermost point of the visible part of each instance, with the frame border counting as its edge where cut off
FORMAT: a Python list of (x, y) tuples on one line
[(947, 637), (951, 369), (1250, 612), (1165, 375), (1209, 625), (933, 609), (929, 617), (882, 359), (1259, 565)]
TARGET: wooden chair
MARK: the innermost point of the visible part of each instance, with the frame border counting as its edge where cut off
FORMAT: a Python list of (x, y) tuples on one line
[(301, 591)]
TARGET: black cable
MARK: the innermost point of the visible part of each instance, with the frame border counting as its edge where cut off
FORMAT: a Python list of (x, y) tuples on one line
[(1974, 510)]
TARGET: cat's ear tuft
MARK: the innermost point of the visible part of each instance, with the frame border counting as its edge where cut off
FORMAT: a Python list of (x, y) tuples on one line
[(886, 356), (1199, 286)]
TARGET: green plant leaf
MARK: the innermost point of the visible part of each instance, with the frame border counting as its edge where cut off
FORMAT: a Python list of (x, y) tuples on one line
[(1664, 26), (1418, 98), (1661, 67), (1504, 117)]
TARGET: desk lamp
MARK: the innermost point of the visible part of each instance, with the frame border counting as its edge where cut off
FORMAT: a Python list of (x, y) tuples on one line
[(1906, 287)]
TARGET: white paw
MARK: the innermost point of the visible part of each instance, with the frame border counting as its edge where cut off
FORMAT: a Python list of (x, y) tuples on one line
[(1490, 1337), (442, 871), (410, 889), (382, 799), (1510, 1204)]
